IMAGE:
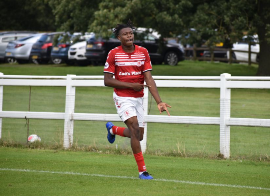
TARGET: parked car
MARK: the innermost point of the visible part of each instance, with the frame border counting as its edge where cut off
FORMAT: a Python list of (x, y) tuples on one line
[(6, 37), (76, 53), (218, 54), (41, 50), (60, 52), (20, 50), (202, 50), (169, 53), (61, 44), (243, 45)]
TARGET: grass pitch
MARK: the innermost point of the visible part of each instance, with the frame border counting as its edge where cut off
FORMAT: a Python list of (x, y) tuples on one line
[(52, 172)]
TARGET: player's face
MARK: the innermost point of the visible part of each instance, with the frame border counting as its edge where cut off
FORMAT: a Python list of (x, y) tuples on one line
[(126, 36)]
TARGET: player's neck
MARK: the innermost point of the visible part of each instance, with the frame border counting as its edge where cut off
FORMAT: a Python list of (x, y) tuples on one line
[(128, 49)]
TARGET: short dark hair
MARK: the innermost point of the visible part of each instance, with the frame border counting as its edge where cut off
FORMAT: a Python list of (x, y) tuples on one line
[(118, 28)]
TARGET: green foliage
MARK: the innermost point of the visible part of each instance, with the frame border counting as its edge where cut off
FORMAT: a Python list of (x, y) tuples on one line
[(215, 21), (73, 16), (33, 15)]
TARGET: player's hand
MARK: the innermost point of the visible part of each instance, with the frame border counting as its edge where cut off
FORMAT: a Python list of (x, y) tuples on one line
[(163, 107), (139, 87)]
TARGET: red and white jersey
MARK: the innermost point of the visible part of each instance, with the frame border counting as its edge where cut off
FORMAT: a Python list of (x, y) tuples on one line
[(128, 67)]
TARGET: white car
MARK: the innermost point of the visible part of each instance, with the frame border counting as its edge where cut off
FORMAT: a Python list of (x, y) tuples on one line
[(76, 53), (243, 46)]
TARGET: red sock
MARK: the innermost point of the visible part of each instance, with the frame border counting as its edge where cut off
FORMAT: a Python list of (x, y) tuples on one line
[(140, 162), (118, 130)]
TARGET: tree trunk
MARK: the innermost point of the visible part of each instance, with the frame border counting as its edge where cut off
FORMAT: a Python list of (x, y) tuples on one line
[(264, 59), (264, 56)]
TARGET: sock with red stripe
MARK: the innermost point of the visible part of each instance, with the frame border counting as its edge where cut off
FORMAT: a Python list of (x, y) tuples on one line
[(140, 162), (118, 131)]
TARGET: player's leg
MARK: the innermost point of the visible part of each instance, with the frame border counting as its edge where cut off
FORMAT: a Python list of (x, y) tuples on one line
[(133, 132), (125, 132), (135, 137)]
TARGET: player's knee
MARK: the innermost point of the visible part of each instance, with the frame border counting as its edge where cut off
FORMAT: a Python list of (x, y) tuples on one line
[(135, 133)]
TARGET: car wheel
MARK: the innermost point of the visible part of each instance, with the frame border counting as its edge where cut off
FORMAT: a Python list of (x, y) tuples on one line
[(171, 58), (57, 61), (11, 60)]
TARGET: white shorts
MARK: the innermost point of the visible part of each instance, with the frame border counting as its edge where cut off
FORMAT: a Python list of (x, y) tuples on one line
[(128, 107)]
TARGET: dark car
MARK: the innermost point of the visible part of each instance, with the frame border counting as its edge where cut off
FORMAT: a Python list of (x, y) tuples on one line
[(61, 45), (41, 50), (169, 53), (219, 52)]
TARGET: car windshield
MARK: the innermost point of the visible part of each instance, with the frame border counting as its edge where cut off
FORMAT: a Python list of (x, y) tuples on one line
[(43, 38), (247, 39)]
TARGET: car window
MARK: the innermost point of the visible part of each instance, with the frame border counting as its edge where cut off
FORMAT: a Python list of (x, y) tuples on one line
[(43, 38), (149, 37), (49, 38), (8, 39), (246, 40), (20, 37), (25, 38)]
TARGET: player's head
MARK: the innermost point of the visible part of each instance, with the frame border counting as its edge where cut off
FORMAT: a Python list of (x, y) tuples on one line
[(119, 27), (124, 32)]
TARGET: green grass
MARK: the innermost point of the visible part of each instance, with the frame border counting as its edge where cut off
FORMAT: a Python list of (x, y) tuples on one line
[(52, 172), (184, 68), (170, 139)]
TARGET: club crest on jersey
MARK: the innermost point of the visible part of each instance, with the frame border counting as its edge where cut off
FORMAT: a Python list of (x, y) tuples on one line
[(106, 65), (139, 63)]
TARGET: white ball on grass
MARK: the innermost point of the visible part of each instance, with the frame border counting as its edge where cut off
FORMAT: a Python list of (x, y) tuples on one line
[(33, 138)]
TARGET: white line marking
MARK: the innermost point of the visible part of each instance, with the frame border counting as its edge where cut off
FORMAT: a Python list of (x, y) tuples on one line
[(133, 178)]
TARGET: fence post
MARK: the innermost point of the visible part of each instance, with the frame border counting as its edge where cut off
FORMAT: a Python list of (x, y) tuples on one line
[(230, 56), (69, 110), (145, 106), (249, 53), (225, 113), (212, 54), (1, 106), (194, 52)]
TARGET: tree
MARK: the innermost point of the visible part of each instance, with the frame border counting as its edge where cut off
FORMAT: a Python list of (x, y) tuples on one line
[(220, 20), (161, 15), (26, 15), (73, 16)]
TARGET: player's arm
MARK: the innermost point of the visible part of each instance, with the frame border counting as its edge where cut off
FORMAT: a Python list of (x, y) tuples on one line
[(153, 90), (112, 82)]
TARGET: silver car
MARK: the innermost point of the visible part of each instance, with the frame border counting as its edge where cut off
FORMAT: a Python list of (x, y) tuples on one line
[(6, 37), (20, 50)]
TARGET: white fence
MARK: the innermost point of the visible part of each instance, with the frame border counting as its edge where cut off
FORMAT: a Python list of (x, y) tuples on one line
[(225, 82)]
